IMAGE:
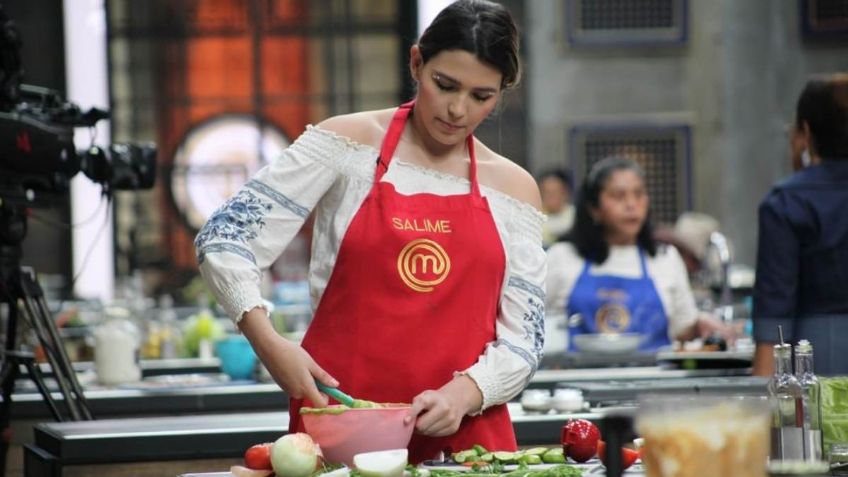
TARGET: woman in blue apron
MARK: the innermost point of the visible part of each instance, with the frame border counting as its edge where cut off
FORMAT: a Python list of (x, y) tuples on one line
[(610, 275)]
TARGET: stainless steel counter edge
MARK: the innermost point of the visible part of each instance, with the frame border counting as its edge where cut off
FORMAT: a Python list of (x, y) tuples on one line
[(235, 397), (178, 437)]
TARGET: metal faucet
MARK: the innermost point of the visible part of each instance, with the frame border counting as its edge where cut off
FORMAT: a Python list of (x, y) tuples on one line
[(719, 242)]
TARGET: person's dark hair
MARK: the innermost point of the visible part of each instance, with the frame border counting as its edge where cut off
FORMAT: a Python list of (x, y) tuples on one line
[(480, 27), (587, 235), (563, 175), (823, 105)]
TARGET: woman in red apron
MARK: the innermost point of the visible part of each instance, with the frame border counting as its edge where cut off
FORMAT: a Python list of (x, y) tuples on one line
[(439, 264), (416, 285)]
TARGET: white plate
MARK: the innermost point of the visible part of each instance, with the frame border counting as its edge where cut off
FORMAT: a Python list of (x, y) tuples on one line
[(746, 355), (608, 343)]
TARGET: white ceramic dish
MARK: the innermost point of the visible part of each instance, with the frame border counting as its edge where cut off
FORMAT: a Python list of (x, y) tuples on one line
[(608, 343)]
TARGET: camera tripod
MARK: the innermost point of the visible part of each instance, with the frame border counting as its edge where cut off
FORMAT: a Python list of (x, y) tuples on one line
[(24, 298)]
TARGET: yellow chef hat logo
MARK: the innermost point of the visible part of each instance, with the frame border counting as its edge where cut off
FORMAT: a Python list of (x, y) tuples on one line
[(423, 264)]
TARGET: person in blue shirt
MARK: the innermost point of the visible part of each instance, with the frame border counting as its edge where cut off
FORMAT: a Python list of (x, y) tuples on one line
[(802, 257)]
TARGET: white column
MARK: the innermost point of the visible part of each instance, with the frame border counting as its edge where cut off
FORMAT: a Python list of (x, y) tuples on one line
[(87, 84)]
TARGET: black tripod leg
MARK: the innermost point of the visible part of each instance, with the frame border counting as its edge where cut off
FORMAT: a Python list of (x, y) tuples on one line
[(49, 347), (39, 313), (35, 373), (64, 360), (9, 373)]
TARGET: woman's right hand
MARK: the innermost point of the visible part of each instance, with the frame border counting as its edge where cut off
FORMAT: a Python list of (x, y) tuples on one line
[(292, 368)]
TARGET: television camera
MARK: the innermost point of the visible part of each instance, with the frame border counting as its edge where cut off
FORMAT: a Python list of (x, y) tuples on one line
[(38, 159), (37, 152)]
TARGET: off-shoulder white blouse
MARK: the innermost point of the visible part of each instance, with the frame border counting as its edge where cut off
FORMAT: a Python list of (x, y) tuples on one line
[(331, 175)]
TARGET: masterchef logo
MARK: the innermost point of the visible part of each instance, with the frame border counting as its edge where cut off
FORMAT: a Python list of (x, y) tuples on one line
[(612, 318), (423, 264)]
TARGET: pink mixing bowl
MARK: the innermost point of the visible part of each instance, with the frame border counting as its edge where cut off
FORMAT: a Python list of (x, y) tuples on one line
[(342, 436)]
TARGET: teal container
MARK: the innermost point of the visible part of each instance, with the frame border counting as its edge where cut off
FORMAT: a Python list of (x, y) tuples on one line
[(238, 360)]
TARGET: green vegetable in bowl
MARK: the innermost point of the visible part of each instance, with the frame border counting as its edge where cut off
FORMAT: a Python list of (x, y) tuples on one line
[(363, 404)]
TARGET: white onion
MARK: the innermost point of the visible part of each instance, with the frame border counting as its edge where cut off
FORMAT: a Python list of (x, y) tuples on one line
[(389, 463), (294, 455)]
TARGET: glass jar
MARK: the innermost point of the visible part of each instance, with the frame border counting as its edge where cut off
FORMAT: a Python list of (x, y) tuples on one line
[(686, 435), (116, 348)]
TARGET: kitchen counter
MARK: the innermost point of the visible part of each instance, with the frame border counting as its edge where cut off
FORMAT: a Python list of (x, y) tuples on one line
[(210, 422), (225, 397), (88, 444), (221, 436)]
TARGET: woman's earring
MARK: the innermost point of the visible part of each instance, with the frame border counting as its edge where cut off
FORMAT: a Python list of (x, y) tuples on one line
[(806, 160)]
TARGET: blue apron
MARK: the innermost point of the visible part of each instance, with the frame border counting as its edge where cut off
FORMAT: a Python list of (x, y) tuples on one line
[(613, 304)]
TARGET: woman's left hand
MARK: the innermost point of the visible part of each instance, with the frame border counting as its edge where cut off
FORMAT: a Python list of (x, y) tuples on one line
[(440, 412)]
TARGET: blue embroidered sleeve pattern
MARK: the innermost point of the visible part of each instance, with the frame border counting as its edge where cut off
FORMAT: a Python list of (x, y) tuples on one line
[(534, 317), (534, 326), (237, 221), (522, 284), (220, 247), (532, 362), (279, 198)]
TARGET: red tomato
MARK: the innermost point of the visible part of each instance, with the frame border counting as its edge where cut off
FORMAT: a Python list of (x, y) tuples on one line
[(258, 457), (628, 456), (579, 439)]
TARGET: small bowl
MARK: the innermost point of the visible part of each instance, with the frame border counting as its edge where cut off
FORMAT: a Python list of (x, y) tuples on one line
[(353, 431), (567, 400), (536, 400), (608, 343), (238, 360)]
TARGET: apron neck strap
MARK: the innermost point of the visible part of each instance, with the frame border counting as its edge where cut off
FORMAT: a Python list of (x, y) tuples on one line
[(472, 172), (643, 262), (390, 142)]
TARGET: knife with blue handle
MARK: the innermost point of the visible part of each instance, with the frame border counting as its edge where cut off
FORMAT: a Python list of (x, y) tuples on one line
[(335, 393)]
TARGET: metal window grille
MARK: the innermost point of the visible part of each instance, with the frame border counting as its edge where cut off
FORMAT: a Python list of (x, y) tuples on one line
[(175, 64), (625, 22), (662, 151), (824, 19)]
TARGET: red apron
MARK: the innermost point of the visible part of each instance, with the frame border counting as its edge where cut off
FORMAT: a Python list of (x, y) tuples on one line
[(413, 297)]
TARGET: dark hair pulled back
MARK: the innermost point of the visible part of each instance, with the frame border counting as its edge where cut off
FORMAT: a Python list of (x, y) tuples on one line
[(485, 29), (823, 106)]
